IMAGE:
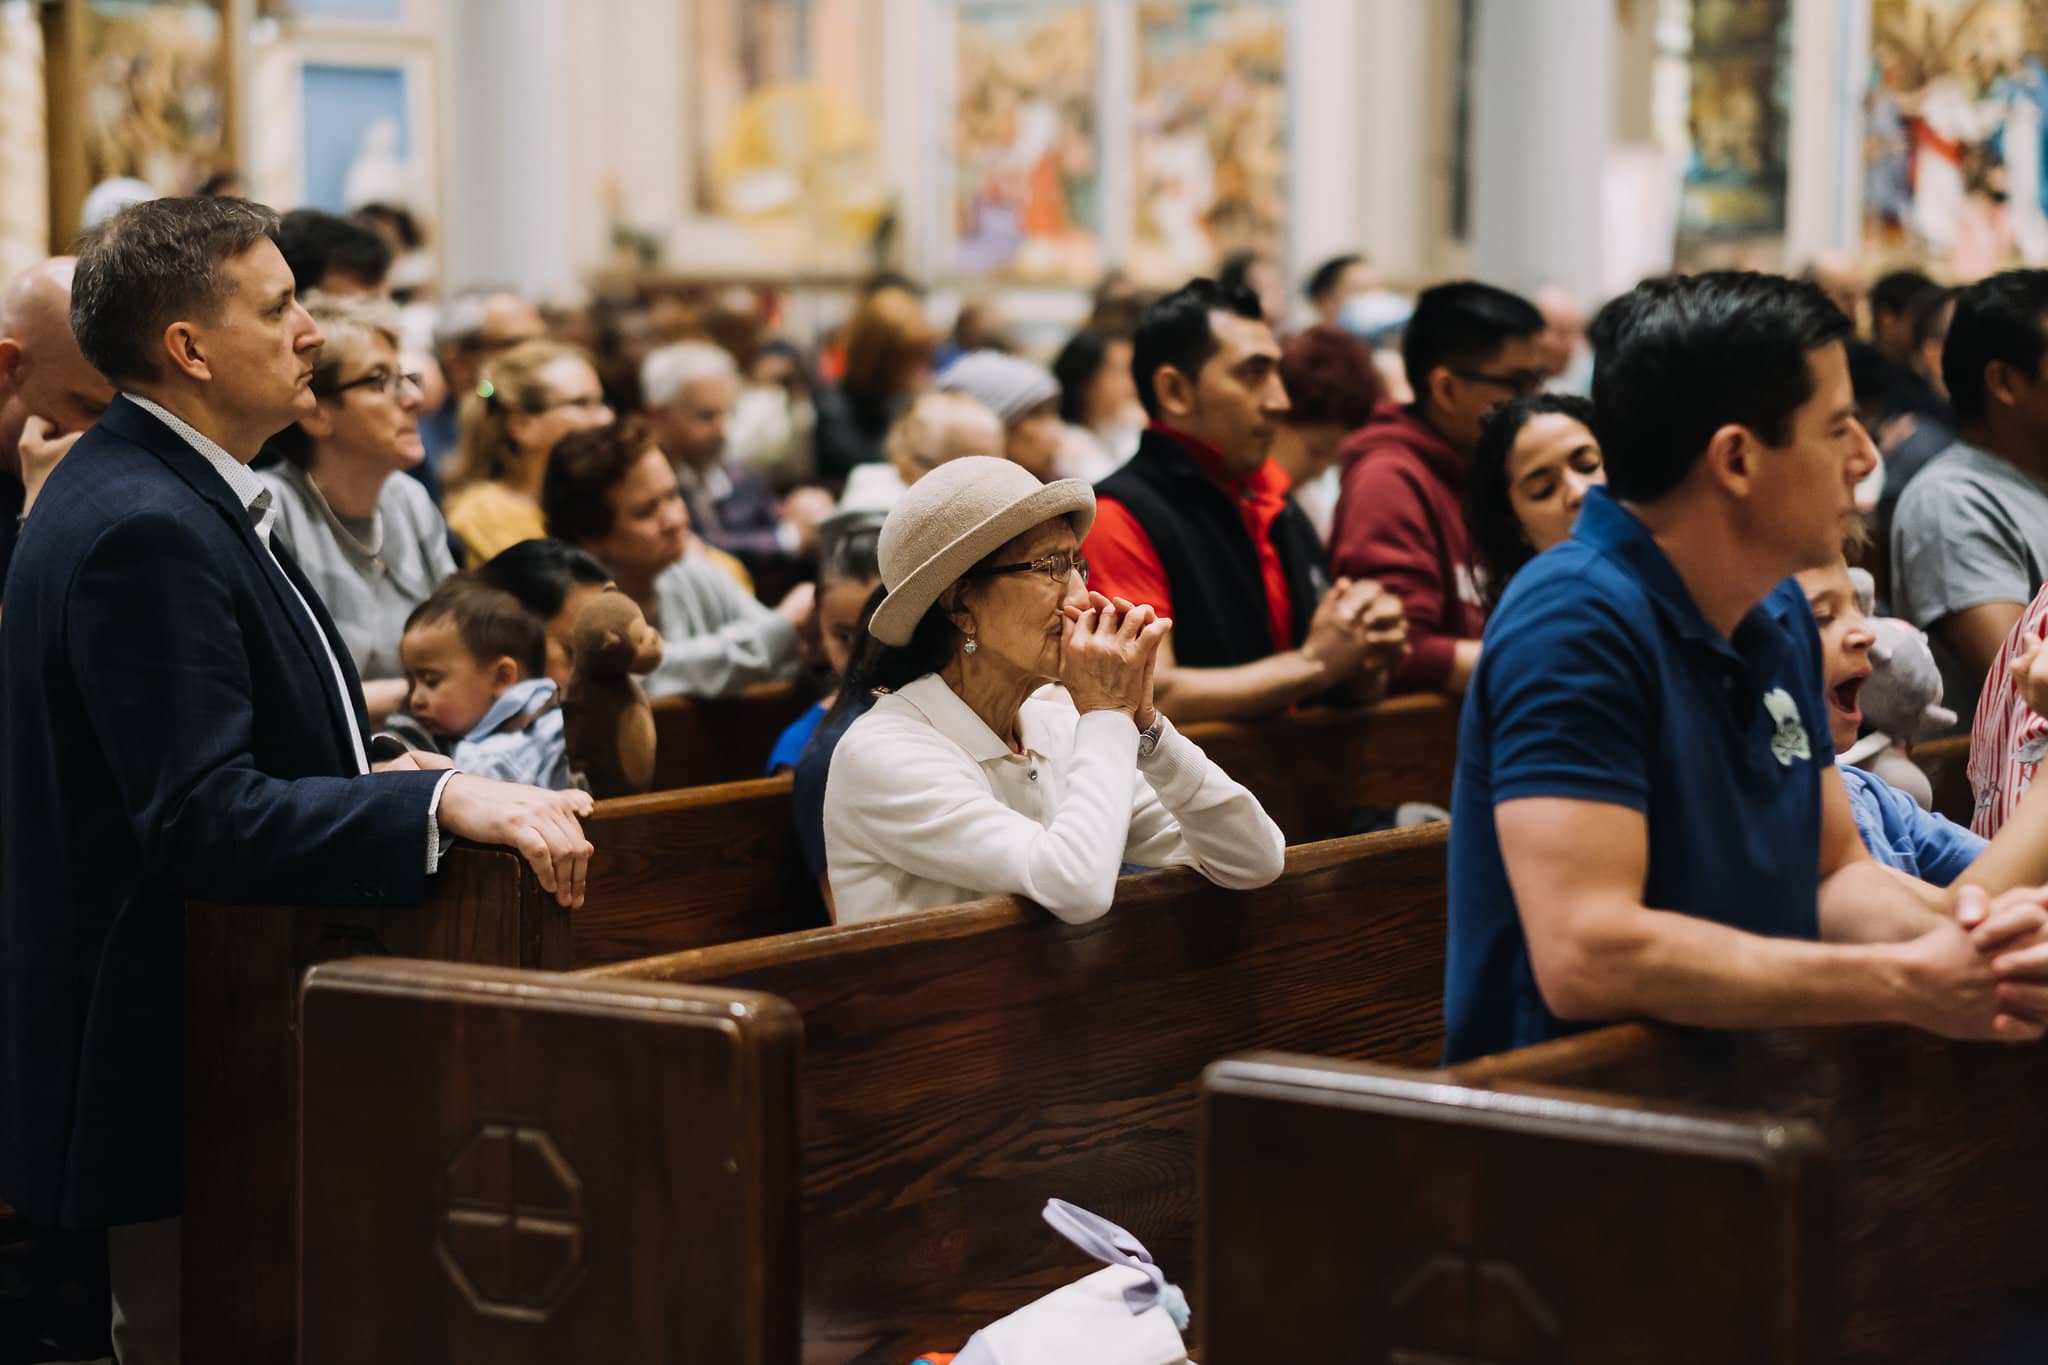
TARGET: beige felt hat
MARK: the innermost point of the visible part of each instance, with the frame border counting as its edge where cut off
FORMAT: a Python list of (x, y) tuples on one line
[(950, 520)]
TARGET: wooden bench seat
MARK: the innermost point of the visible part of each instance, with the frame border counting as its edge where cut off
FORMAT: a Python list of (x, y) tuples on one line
[(1865, 1195), (963, 1065)]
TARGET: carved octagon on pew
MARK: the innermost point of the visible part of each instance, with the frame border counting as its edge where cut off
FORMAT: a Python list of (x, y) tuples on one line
[(511, 1227)]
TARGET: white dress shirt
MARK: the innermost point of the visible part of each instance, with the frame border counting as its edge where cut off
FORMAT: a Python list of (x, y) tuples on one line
[(250, 492), (926, 807)]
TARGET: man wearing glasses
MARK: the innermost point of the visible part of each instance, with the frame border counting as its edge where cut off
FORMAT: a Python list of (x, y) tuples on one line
[(1401, 516)]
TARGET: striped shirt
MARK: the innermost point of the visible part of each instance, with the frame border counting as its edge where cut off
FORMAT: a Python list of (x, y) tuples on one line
[(2009, 738)]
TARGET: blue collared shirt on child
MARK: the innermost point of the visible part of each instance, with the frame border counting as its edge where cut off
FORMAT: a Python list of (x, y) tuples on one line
[(1601, 681)]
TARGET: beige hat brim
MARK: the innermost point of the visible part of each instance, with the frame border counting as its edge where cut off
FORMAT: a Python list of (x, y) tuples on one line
[(907, 602)]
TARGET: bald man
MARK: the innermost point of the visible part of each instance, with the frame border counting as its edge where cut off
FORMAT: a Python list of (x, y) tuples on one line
[(49, 392)]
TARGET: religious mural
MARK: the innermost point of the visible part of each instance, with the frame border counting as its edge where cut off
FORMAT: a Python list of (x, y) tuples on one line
[(1026, 183), (154, 102), (1956, 133), (1211, 132)]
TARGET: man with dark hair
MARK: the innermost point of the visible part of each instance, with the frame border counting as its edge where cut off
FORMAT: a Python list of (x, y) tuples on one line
[(1647, 822), (1969, 538), (332, 254), (181, 720), (1401, 514), (1198, 525), (1335, 281)]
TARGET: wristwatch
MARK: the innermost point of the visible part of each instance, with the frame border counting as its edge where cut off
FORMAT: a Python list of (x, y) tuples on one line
[(1148, 738)]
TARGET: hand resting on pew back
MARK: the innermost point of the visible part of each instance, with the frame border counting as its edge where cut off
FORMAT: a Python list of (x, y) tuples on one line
[(969, 777), (543, 825)]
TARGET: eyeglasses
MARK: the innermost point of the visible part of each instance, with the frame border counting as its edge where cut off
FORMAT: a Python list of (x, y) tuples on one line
[(590, 403), (1058, 567), (383, 380), (1520, 383)]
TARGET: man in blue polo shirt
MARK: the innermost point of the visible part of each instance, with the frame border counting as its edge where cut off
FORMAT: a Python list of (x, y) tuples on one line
[(1645, 782)]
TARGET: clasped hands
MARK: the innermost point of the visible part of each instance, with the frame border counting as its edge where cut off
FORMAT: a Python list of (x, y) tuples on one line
[(1997, 966), (1359, 633), (1108, 653)]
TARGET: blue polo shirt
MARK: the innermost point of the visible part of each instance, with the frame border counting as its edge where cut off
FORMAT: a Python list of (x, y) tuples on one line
[(1601, 681)]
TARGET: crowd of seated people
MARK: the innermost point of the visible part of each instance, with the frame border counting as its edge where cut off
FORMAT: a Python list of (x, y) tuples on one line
[(1002, 587)]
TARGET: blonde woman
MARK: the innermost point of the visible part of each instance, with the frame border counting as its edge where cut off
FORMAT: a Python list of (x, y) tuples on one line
[(367, 537), (525, 401)]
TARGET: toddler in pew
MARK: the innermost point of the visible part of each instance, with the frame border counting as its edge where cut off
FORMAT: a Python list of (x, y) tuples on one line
[(1895, 829), (477, 660)]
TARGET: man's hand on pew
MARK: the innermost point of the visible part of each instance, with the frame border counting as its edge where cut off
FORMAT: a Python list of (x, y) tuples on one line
[(542, 825)]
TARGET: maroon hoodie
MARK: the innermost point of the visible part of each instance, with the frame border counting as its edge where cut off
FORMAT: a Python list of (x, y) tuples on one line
[(1401, 519)]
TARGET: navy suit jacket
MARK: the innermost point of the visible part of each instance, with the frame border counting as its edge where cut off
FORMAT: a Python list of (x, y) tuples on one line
[(169, 728)]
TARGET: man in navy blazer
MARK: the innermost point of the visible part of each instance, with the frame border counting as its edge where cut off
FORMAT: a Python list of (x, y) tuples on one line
[(179, 718)]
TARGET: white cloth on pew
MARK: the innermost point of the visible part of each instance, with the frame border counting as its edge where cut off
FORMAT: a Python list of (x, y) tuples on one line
[(926, 807), (1126, 1314)]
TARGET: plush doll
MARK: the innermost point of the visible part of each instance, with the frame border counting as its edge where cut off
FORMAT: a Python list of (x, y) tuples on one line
[(605, 716), (1903, 696)]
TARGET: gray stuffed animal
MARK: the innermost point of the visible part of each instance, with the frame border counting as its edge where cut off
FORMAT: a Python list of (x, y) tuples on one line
[(1903, 696)]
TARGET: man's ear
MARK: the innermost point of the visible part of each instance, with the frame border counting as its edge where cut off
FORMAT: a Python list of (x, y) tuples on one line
[(185, 351), (1175, 391), (10, 363), (2002, 383), (1731, 459), (1440, 388)]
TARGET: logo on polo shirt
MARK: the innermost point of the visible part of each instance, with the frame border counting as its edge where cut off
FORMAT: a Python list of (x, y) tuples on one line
[(1788, 743)]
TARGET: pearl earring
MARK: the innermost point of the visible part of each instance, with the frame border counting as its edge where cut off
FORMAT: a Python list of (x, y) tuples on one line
[(971, 646)]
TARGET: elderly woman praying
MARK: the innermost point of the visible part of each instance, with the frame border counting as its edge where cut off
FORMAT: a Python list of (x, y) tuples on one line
[(970, 776)]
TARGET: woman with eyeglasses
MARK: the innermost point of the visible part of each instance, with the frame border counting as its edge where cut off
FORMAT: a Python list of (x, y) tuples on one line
[(372, 544), (968, 776), (525, 401)]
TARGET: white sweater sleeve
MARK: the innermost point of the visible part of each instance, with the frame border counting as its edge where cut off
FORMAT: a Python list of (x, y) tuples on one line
[(907, 796), (1189, 813)]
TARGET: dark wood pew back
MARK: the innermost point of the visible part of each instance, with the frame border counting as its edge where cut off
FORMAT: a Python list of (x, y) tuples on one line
[(699, 743), (243, 964), (1366, 1213), (963, 1065), (524, 1167), (691, 869), (1312, 769), (1917, 1234)]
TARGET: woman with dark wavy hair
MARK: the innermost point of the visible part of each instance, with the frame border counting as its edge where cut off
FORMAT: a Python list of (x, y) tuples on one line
[(1535, 460)]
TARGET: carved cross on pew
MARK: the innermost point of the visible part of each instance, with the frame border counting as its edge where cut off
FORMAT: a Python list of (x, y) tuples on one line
[(512, 1222)]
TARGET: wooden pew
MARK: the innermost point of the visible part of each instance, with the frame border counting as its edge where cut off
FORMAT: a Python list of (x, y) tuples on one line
[(243, 964), (700, 743), (1865, 1195), (524, 1167), (692, 868), (963, 1065), (1312, 769)]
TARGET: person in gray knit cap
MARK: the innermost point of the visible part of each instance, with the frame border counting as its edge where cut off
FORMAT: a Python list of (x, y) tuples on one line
[(1025, 396)]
